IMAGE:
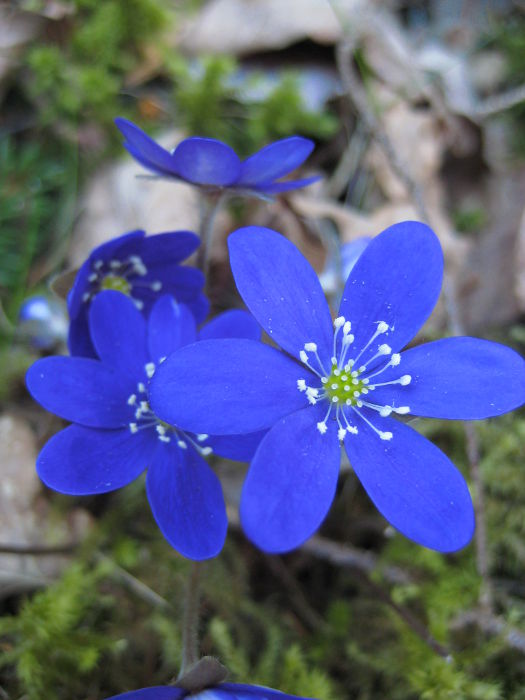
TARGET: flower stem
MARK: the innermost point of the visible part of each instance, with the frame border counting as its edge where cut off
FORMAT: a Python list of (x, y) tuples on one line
[(190, 642), (211, 204)]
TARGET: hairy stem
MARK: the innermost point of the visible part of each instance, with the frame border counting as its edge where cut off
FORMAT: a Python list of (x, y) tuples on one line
[(190, 629)]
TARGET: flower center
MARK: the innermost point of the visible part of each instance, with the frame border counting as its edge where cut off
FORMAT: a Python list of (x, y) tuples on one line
[(119, 284), (144, 418), (345, 387), (126, 276)]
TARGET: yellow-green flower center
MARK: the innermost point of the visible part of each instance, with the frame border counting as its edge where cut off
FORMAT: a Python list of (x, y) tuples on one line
[(116, 283), (344, 387)]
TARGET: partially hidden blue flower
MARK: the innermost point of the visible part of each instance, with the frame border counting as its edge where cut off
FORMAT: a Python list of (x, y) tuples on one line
[(43, 322), (144, 268), (350, 254), (223, 691), (342, 382), (213, 164), (115, 435)]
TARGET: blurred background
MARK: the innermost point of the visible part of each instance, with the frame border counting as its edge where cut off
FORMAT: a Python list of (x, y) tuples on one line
[(417, 109)]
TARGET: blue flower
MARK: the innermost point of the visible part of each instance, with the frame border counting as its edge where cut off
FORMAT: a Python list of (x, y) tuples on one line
[(213, 164), (115, 435), (43, 322), (223, 691), (342, 382), (143, 267), (350, 254)]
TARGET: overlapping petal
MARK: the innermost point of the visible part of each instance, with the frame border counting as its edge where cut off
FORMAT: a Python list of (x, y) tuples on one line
[(231, 324), (239, 691), (226, 386), (159, 692), (287, 185), (397, 279), (170, 326), (291, 482), (458, 378), (413, 484), (275, 160), (82, 461), (239, 448), (281, 289), (142, 147), (206, 161), (81, 390), (118, 332), (174, 246), (187, 502)]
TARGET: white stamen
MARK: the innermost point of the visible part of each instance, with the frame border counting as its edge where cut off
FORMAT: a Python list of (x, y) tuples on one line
[(139, 304), (405, 380), (86, 296), (182, 444), (385, 435), (133, 427), (141, 387), (301, 384), (156, 286), (339, 322), (205, 451), (384, 349), (202, 436), (341, 434), (132, 400), (402, 410), (303, 357), (310, 347), (98, 264), (164, 438), (382, 327), (347, 327), (93, 277), (335, 399), (150, 369), (321, 427), (395, 359), (161, 430)]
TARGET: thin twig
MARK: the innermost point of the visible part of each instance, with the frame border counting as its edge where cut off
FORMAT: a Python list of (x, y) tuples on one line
[(36, 550), (490, 624), (135, 585), (357, 96), (500, 103)]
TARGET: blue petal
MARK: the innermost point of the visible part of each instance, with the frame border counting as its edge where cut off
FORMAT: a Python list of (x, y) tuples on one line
[(457, 378), (199, 307), (275, 160), (172, 246), (226, 387), (206, 162), (79, 339), (351, 252), (118, 331), (278, 187), (291, 482), (413, 484), (239, 448), (170, 326), (82, 461), (397, 280), (158, 692), (238, 691), (81, 390), (181, 281), (231, 324), (148, 151), (281, 289), (187, 502)]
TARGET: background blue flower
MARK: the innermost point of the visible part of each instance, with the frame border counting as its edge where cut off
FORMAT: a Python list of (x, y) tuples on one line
[(115, 436), (342, 381), (211, 163), (223, 691), (144, 268)]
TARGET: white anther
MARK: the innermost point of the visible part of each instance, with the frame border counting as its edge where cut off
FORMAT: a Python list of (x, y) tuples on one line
[(395, 359), (205, 451), (382, 327), (161, 430), (333, 360), (321, 427), (86, 297), (339, 322), (135, 260), (405, 379), (385, 411), (138, 413), (141, 387), (202, 436), (98, 264), (139, 304), (347, 327), (132, 400), (93, 277), (156, 286), (341, 434), (301, 384), (310, 347), (312, 392), (303, 356), (348, 339), (144, 406), (385, 435), (384, 349), (182, 444), (402, 410), (133, 427), (150, 369), (164, 438)]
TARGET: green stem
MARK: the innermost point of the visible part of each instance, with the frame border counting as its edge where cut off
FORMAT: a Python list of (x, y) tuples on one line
[(190, 643)]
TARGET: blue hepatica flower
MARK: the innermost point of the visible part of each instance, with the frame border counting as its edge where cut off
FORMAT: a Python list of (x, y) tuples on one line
[(115, 435), (144, 268), (213, 164), (223, 691), (342, 382)]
